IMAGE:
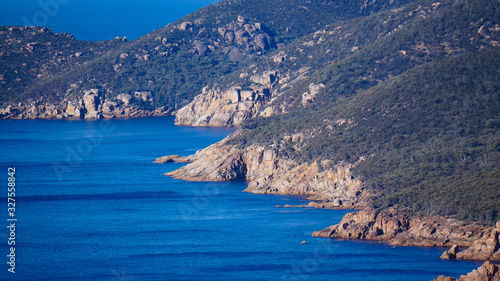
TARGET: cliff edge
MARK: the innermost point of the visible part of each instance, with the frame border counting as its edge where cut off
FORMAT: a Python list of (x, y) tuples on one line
[(267, 173)]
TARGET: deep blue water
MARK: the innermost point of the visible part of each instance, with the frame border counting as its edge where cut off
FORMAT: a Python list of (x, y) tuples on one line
[(91, 205), (96, 20)]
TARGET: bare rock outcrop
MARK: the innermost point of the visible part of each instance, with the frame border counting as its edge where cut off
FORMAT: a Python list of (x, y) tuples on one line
[(268, 174), (368, 224), (451, 253), (436, 231), (398, 227), (93, 100), (125, 98), (200, 47), (174, 158), (308, 97), (220, 108), (487, 272), (485, 248)]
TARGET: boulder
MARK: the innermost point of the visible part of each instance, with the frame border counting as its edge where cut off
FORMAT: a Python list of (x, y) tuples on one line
[(308, 97), (236, 55), (241, 37), (79, 112), (337, 202), (145, 96), (92, 100), (108, 106), (185, 25), (450, 254), (263, 41), (266, 79), (93, 115), (222, 31), (246, 95), (235, 95), (200, 47), (229, 36), (125, 98), (70, 109)]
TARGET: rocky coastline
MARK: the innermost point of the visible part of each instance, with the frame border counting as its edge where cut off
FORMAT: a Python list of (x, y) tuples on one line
[(399, 227), (266, 173), (92, 105)]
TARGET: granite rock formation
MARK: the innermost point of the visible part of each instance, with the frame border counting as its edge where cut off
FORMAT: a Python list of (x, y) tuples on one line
[(400, 227), (487, 272), (268, 174)]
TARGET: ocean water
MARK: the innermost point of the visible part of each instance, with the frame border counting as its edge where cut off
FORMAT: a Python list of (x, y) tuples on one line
[(91, 205), (96, 20)]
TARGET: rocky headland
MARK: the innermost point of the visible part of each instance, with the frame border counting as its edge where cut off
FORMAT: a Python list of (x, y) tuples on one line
[(399, 227), (267, 173)]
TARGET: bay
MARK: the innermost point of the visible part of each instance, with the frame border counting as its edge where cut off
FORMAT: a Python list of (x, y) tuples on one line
[(91, 205)]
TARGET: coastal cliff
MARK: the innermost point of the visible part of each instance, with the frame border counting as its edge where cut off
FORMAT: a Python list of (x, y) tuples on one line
[(336, 187), (267, 173), (399, 227), (92, 105)]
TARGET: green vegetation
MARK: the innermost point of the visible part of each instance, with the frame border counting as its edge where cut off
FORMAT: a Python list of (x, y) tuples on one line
[(425, 121), (412, 87), (164, 62)]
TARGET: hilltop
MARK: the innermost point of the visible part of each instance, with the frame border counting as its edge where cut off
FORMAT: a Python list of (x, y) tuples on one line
[(170, 65)]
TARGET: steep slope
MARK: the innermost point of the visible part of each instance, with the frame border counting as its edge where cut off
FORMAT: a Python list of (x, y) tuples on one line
[(171, 65), (345, 57), (412, 110)]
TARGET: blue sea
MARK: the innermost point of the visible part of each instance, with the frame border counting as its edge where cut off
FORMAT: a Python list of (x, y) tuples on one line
[(96, 20), (91, 205)]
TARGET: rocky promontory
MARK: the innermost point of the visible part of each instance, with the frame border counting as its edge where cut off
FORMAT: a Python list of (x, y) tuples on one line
[(400, 227), (267, 173)]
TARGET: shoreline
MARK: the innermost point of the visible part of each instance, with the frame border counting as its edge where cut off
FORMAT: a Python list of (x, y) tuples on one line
[(267, 174)]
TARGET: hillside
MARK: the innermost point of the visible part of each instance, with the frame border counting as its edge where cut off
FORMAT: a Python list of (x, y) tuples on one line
[(171, 64), (380, 103)]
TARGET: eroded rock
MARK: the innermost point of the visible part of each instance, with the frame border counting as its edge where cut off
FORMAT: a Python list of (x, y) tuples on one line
[(267, 174)]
